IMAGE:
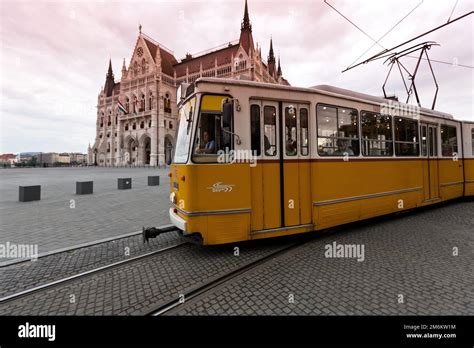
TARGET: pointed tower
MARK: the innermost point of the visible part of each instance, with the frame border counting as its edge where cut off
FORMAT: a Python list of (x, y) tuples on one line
[(124, 69), (246, 39), (109, 81), (279, 73), (271, 60)]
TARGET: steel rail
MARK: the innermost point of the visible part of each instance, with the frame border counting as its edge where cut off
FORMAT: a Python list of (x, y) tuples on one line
[(87, 273), (79, 246), (201, 289)]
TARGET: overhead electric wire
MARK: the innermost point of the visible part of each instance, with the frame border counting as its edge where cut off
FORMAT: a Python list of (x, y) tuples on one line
[(452, 11), (355, 25), (377, 42), (377, 56)]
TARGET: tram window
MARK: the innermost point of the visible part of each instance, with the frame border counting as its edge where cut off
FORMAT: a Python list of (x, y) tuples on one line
[(269, 122), (406, 137), (449, 140), (376, 134), (255, 129), (304, 132), (337, 131), (433, 141), (472, 140), (291, 144), (424, 140), (210, 138)]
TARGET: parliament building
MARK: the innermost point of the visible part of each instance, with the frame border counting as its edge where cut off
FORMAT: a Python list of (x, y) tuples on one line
[(137, 115)]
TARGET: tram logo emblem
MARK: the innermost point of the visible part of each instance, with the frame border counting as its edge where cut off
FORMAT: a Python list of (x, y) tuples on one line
[(220, 187)]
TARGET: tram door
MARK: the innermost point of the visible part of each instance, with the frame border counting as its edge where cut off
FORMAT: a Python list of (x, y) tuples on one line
[(281, 192), (429, 152), (296, 164), (265, 175)]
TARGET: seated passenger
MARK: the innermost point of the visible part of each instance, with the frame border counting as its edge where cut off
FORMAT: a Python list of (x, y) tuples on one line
[(268, 147), (406, 150), (343, 148), (291, 148), (209, 144)]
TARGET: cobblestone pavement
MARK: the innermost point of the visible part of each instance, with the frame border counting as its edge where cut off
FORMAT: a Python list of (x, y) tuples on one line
[(410, 255), (141, 286), (26, 275), (52, 224)]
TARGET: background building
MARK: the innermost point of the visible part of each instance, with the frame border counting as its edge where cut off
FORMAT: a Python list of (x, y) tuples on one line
[(8, 159), (137, 117)]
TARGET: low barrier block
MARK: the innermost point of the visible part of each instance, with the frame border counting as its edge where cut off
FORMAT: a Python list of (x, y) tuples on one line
[(30, 193)]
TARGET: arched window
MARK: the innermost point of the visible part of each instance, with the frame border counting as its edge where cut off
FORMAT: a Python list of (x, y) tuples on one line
[(135, 101), (126, 126), (127, 105), (150, 101), (135, 68), (142, 103), (143, 66), (167, 103)]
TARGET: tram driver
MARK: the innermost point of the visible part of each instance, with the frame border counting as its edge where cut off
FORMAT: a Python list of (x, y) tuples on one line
[(209, 144)]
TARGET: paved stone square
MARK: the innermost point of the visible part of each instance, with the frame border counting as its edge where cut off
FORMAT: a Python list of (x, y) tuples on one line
[(409, 269), (139, 287), (52, 224)]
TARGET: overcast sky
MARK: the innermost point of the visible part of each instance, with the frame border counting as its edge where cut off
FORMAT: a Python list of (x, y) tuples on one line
[(54, 54)]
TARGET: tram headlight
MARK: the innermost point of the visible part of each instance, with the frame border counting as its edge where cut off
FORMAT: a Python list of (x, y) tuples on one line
[(173, 197)]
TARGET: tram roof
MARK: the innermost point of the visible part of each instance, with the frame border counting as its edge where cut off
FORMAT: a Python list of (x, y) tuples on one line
[(323, 89)]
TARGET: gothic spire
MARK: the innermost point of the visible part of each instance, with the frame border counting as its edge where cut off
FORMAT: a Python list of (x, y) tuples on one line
[(279, 73), (124, 69), (110, 72), (271, 61), (246, 21), (246, 39), (271, 55), (109, 80)]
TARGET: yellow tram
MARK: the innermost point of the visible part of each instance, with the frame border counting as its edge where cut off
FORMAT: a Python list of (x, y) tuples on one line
[(256, 160)]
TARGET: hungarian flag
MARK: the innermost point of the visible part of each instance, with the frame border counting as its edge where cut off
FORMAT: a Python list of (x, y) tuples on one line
[(121, 107)]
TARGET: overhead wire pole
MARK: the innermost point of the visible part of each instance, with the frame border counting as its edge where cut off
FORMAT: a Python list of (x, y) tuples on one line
[(377, 56)]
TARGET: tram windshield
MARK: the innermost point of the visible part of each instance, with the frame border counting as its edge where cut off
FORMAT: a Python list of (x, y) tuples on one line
[(212, 135), (185, 121)]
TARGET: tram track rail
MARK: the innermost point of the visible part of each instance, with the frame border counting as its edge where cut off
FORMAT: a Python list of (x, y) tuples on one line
[(83, 245), (171, 306), (69, 279), (168, 227)]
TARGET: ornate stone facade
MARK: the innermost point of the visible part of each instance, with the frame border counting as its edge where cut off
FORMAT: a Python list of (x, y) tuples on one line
[(137, 117)]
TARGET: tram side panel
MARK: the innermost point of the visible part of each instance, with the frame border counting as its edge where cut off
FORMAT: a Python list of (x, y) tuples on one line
[(359, 189), (469, 182), (468, 137), (451, 171)]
